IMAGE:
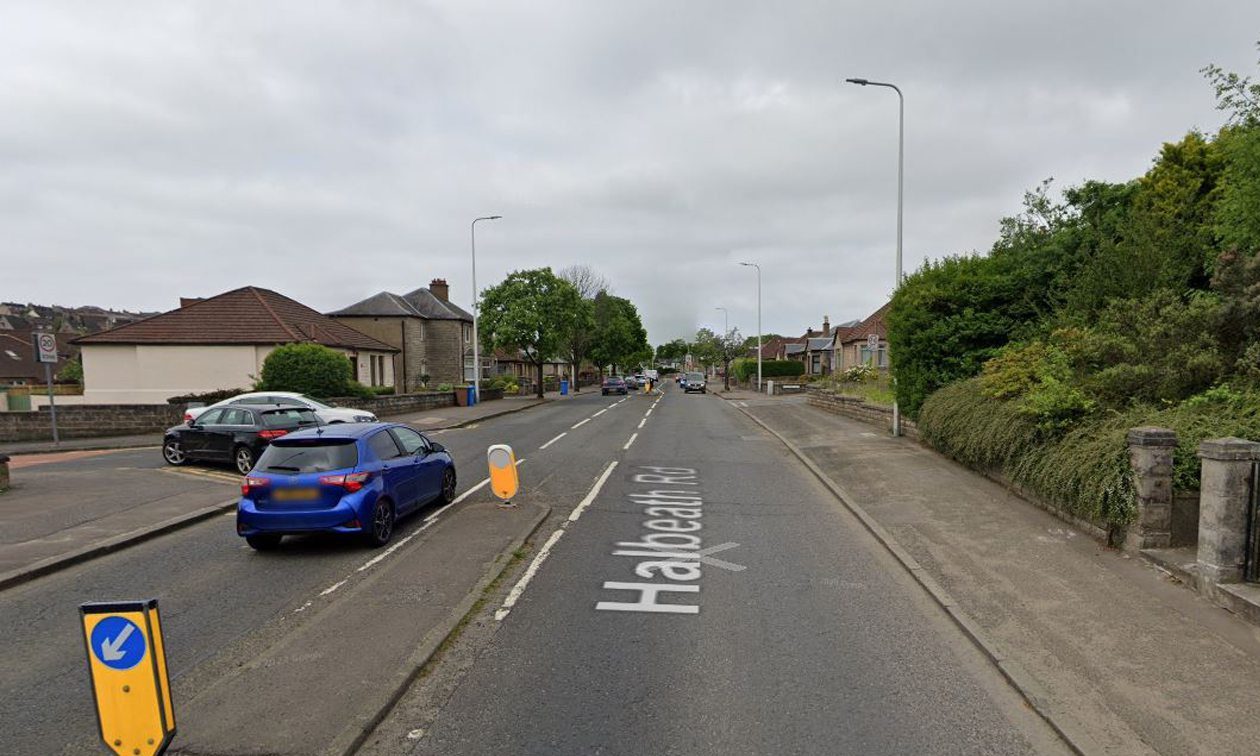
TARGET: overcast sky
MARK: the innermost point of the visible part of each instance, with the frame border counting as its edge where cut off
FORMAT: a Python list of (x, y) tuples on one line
[(152, 150)]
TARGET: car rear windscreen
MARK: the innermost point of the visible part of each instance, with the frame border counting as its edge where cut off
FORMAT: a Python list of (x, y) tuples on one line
[(309, 455), (695, 376), (290, 417)]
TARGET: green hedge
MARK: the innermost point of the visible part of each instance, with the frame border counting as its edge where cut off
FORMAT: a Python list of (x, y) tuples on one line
[(208, 397), (746, 367)]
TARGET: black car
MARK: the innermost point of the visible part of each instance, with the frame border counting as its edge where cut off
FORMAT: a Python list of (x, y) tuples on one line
[(235, 434), (613, 385)]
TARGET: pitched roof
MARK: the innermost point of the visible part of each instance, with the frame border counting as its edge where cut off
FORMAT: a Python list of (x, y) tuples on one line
[(794, 348), (874, 323), (17, 354), (823, 342), (249, 315), (420, 303)]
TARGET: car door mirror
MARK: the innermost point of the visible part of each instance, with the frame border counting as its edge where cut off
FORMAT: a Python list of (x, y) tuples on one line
[(435, 446)]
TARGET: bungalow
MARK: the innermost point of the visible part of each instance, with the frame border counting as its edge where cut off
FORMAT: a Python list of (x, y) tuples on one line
[(216, 343), (853, 347)]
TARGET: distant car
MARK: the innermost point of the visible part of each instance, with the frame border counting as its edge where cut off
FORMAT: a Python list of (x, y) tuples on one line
[(679, 378), (329, 415), (235, 434), (694, 382), (613, 385), (354, 479), (640, 379), (631, 383)]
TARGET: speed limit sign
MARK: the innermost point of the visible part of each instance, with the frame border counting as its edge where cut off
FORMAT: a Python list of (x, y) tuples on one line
[(45, 347), (872, 341)]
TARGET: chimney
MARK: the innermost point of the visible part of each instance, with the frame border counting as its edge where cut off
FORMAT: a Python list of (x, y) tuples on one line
[(439, 288), (185, 301), (826, 325)]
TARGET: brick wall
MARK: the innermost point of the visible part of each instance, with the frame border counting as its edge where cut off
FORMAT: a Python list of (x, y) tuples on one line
[(90, 421), (858, 409), (397, 404)]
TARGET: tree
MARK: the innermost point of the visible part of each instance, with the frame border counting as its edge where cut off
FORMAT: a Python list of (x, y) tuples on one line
[(530, 310), (620, 338), (715, 349), (750, 343), (673, 351), (580, 331), (312, 369)]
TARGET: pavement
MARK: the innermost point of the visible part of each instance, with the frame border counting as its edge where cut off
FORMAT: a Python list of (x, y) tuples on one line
[(1123, 657), (437, 418), (321, 634), (796, 633)]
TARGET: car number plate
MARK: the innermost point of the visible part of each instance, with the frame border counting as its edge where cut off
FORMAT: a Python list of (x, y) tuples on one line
[(296, 494)]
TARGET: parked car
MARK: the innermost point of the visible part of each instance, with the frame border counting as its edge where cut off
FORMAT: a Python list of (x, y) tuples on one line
[(329, 415), (631, 383), (695, 382), (613, 385), (235, 434), (357, 479)]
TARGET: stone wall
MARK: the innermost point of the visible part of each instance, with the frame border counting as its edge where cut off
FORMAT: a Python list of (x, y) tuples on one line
[(397, 404), (90, 421), (444, 350), (859, 409)]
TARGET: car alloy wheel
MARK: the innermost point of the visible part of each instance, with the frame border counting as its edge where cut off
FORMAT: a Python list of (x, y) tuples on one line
[(382, 523), (244, 458), (448, 485), (173, 453)]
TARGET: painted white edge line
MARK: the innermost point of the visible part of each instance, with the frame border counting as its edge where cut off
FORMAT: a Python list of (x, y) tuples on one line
[(580, 423), (633, 436), (333, 587), (645, 414), (597, 414), (641, 422), (590, 496), (530, 571), (552, 441)]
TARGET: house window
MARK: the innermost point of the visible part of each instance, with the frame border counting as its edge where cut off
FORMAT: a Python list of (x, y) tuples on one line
[(814, 362), (372, 365)]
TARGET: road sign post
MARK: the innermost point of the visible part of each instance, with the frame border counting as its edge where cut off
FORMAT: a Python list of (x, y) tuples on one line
[(872, 346), (46, 352), (127, 665), (504, 479)]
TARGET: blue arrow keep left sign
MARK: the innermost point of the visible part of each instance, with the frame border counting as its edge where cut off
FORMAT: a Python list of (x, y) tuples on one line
[(118, 643)]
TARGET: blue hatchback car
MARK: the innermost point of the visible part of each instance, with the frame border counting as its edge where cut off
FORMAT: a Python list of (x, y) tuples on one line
[(354, 478)]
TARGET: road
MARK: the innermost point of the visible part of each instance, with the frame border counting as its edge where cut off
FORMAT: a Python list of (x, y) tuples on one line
[(795, 634)]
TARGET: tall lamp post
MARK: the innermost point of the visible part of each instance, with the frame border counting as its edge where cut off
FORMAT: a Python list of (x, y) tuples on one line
[(726, 329), (901, 161), (476, 303), (759, 344)]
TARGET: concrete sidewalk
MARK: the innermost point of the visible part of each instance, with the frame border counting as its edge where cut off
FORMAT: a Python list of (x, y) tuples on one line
[(433, 419), (1123, 658)]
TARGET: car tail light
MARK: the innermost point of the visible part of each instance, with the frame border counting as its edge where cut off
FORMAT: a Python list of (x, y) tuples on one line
[(187, 416), (251, 483), (271, 434), (352, 482)]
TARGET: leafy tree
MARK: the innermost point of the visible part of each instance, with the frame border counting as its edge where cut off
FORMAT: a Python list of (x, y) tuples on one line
[(673, 351), (312, 369), (1235, 94), (750, 343), (580, 332), (719, 349), (620, 338), (530, 310), (1237, 222), (72, 371)]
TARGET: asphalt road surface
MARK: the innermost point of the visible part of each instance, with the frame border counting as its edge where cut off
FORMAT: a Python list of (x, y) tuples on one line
[(222, 603), (794, 634)]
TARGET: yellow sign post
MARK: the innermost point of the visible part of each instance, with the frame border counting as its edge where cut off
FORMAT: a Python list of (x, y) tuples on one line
[(504, 479), (127, 663)]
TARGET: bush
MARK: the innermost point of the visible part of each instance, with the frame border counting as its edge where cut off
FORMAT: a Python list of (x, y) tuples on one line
[(444, 387), (208, 397), (382, 390), (857, 374), (311, 369)]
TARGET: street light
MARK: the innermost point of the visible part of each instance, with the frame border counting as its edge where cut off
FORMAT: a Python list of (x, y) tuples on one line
[(901, 161), (759, 345), (477, 309), (726, 320)]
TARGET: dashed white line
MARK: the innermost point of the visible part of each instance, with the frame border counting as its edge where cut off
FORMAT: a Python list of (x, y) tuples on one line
[(519, 588), (590, 496), (633, 436), (580, 424), (333, 587), (381, 556), (552, 441), (597, 414), (614, 404), (641, 422), (645, 414)]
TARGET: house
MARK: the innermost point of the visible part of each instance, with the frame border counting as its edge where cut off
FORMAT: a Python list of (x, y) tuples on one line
[(514, 362), (216, 343), (431, 335), (852, 348), (772, 349)]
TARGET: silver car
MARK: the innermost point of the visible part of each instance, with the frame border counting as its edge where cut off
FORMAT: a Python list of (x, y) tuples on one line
[(326, 414)]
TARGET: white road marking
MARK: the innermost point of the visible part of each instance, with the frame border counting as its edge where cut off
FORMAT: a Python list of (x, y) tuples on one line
[(580, 424), (333, 587), (590, 496), (552, 441), (597, 414), (614, 404), (369, 564), (519, 588), (645, 414), (641, 422), (465, 495), (633, 436)]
